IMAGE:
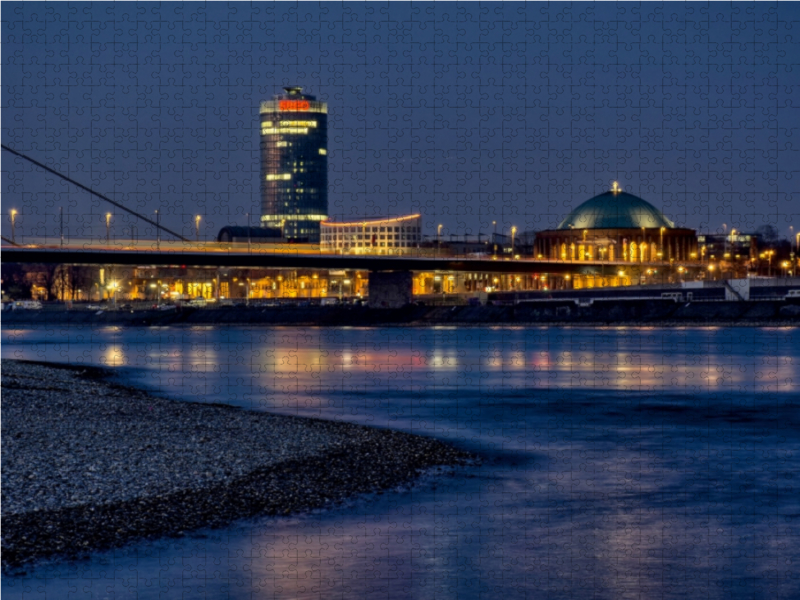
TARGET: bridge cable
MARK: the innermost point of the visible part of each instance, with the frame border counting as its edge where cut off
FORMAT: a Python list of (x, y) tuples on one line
[(99, 195)]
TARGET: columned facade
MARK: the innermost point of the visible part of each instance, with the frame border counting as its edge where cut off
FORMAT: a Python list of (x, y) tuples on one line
[(620, 227), (620, 244)]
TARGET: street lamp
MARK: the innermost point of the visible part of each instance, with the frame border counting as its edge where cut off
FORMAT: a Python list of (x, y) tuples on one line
[(13, 225), (197, 228), (770, 253), (513, 233), (661, 244), (439, 235), (112, 287), (494, 238), (108, 228), (158, 230)]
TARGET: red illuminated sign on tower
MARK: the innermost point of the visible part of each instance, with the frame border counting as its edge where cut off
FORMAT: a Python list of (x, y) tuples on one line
[(294, 105)]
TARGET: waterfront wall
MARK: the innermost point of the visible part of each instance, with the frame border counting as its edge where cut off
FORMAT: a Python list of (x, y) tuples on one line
[(611, 311)]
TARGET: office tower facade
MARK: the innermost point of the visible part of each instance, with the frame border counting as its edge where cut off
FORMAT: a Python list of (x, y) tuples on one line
[(294, 164)]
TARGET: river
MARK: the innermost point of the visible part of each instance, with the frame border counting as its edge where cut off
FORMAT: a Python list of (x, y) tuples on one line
[(617, 462)]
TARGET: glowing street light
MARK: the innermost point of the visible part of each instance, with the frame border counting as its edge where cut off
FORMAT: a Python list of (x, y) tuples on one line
[(197, 228), (13, 215), (439, 235), (661, 244), (112, 288), (158, 230), (513, 233), (108, 228)]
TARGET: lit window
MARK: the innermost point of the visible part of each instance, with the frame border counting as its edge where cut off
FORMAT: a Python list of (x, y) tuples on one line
[(323, 152), (286, 130), (298, 124)]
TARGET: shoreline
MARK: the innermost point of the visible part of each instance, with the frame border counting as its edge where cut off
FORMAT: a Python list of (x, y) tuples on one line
[(90, 465), (614, 313)]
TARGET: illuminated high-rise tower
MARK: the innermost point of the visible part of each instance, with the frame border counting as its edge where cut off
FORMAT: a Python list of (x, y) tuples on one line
[(294, 164)]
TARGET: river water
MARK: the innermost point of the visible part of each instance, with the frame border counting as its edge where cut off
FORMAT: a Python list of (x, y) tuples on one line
[(617, 463)]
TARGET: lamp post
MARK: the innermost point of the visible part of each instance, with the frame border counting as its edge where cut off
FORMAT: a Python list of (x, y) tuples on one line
[(158, 231), (661, 244), (494, 239), (197, 228), (249, 243), (13, 215), (108, 228), (439, 236), (61, 223), (513, 233), (112, 287)]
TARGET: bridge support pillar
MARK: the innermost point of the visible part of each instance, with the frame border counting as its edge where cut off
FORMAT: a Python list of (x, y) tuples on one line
[(390, 289)]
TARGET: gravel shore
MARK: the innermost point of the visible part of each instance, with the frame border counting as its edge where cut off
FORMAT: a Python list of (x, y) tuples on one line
[(88, 464)]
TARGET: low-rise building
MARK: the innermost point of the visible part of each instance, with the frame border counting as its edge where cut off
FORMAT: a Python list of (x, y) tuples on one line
[(394, 235)]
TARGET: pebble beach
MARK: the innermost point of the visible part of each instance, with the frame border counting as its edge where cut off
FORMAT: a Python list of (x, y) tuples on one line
[(88, 464)]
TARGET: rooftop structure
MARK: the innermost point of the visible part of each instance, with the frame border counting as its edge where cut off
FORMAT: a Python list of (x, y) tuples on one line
[(615, 209)]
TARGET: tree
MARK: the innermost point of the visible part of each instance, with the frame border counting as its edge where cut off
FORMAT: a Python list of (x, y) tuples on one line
[(41, 276), (768, 233), (14, 282)]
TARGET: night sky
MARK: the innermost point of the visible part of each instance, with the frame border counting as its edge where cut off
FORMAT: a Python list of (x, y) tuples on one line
[(466, 113)]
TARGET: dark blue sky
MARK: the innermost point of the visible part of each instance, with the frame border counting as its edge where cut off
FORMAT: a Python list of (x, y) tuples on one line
[(467, 113)]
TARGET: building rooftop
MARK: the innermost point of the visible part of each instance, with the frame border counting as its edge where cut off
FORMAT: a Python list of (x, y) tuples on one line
[(615, 209)]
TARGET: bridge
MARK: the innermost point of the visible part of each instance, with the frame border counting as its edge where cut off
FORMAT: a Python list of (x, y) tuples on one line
[(390, 277), (290, 257)]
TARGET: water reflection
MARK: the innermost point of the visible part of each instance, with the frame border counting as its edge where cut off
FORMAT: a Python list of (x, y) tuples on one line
[(621, 463)]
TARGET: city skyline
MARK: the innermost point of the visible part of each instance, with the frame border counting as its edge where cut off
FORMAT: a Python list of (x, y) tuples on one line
[(516, 117)]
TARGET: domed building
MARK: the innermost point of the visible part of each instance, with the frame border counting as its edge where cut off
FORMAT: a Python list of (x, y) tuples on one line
[(617, 226)]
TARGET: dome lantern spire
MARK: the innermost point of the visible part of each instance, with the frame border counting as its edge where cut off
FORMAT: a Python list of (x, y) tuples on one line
[(615, 189)]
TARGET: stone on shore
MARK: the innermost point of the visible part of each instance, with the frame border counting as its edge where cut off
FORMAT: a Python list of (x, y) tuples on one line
[(90, 465)]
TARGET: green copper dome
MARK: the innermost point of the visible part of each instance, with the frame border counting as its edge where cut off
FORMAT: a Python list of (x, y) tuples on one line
[(615, 210)]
